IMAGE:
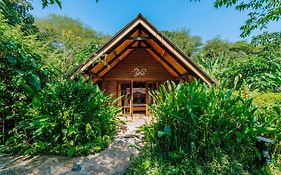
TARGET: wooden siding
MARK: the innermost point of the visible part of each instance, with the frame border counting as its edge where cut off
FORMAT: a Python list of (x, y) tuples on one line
[(110, 87), (140, 59)]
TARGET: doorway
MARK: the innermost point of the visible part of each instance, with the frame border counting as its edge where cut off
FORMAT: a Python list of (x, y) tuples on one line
[(135, 96)]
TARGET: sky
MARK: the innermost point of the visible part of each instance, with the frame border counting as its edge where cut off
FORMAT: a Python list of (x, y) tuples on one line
[(109, 16)]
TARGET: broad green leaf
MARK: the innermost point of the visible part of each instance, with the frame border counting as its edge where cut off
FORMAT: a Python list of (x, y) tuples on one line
[(36, 102), (146, 164), (161, 133), (167, 130), (71, 151)]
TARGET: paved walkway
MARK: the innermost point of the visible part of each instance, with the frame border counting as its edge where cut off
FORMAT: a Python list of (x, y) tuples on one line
[(112, 161)]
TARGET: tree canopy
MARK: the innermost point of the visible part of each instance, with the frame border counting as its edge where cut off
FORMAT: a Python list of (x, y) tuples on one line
[(261, 12), (70, 39), (187, 43)]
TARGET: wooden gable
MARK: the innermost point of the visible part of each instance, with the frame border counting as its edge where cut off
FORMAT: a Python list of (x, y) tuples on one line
[(139, 65), (161, 59)]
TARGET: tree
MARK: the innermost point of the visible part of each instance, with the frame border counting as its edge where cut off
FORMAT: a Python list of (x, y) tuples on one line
[(269, 43), (71, 33), (21, 72), (16, 12), (45, 3), (214, 48), (261, 12), (182, 39), (68, 38)]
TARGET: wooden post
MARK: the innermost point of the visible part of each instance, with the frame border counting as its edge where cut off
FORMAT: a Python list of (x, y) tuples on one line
[(146, 98), (132, 98), (119, 93), (157, 85), (190, 78)]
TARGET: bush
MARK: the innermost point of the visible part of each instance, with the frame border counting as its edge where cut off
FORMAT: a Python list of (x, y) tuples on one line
[(68, 118), (206, 129), (258, 72), (269, 108), (21, 70)]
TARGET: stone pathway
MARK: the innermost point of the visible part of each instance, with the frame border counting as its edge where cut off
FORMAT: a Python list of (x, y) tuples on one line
[(112, 161)]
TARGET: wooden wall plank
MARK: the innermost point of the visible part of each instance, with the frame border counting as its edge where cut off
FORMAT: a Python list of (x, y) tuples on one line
[(142, 60)]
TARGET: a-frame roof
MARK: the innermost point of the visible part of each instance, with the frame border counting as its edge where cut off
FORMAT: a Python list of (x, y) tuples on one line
[(140, 33)]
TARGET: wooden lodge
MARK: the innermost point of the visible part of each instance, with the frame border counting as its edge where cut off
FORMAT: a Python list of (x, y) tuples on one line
[(136, 60)]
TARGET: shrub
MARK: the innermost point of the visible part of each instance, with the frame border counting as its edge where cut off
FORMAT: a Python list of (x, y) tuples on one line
[(269, 112), (68, 118), (258, 72), (206, 128), (21, 69)]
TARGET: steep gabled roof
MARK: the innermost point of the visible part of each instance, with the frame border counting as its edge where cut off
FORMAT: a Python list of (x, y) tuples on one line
[(140, 33)]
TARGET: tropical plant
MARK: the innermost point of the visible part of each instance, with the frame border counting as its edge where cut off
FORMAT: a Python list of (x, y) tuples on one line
[(256, 65), (21, 71), (257, 72), (68, 118), (209, 130)]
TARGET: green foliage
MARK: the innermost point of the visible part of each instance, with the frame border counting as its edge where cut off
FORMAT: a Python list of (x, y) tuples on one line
[(71, 33), (256, 65), (183, 40), (269, 108), (70, 42), (45, 3), (265, 99), (204, 130), (21, 72), (261, 12), (214, 48), (181, 163), (257, 72), (67, 118), (16, 12), (269, 44)]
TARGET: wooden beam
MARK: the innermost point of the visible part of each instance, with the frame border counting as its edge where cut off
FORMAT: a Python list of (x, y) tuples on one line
[(93, 75), (163, 59), (112, 65), (132, 98), (190, 78), (166, 50), (184, 76), (111, 45), (139, 44), (119, 93), (139, 37), (166, 67), (164, 54), (138, 79), (175, 53), (146, 98), (136, 47), (116, 56)]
